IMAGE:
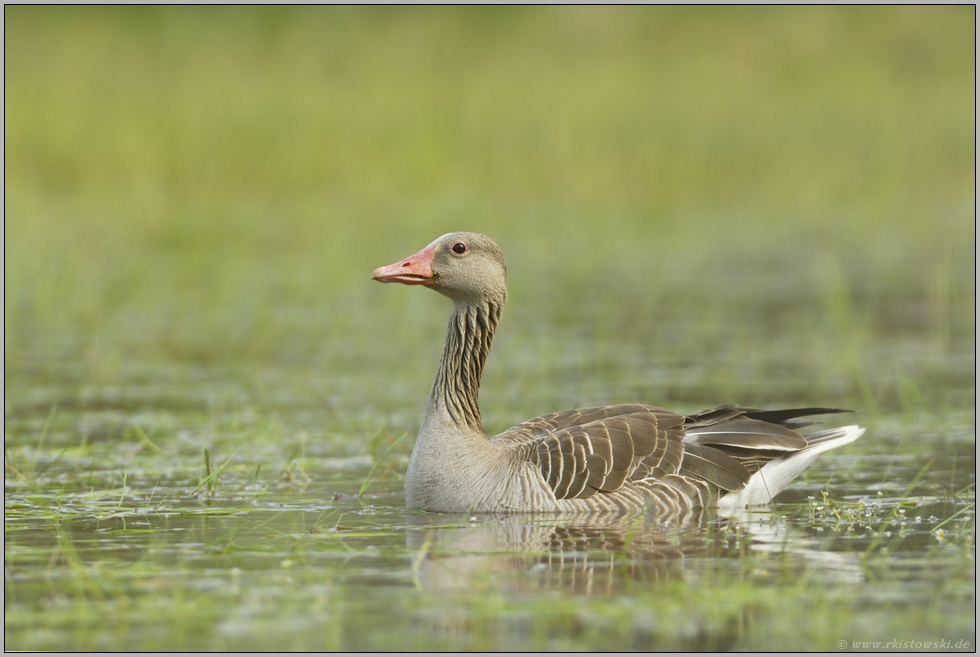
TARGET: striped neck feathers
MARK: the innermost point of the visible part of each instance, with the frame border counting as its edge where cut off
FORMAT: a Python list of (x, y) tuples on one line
[(468, 339)]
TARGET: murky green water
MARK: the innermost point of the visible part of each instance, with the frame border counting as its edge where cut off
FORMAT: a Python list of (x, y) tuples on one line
[(116, 540)]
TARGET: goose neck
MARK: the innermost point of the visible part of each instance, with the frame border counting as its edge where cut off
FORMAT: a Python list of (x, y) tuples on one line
[(457, 385)]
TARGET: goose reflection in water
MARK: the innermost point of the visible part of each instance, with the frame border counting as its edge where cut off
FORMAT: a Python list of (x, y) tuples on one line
[(604, 554)]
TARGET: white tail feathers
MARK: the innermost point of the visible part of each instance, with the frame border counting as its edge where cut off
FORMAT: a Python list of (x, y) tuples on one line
[(778, 473)]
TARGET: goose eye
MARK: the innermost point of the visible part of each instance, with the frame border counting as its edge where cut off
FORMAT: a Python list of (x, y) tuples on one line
[(459, 247)]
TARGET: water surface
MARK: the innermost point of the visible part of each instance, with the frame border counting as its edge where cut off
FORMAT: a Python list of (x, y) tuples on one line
[(115, 539)]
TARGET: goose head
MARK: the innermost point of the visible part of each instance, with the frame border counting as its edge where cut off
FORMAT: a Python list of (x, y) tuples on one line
[(469, 268)]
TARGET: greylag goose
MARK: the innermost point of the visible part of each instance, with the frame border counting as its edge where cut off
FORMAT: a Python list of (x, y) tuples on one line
[(617, 458)]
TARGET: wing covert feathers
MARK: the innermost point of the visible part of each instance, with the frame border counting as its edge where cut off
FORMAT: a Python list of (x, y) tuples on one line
[(587, 451), (590, 450)]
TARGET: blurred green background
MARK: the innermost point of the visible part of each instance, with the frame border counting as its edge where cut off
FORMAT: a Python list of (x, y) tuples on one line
[(747, 191)]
